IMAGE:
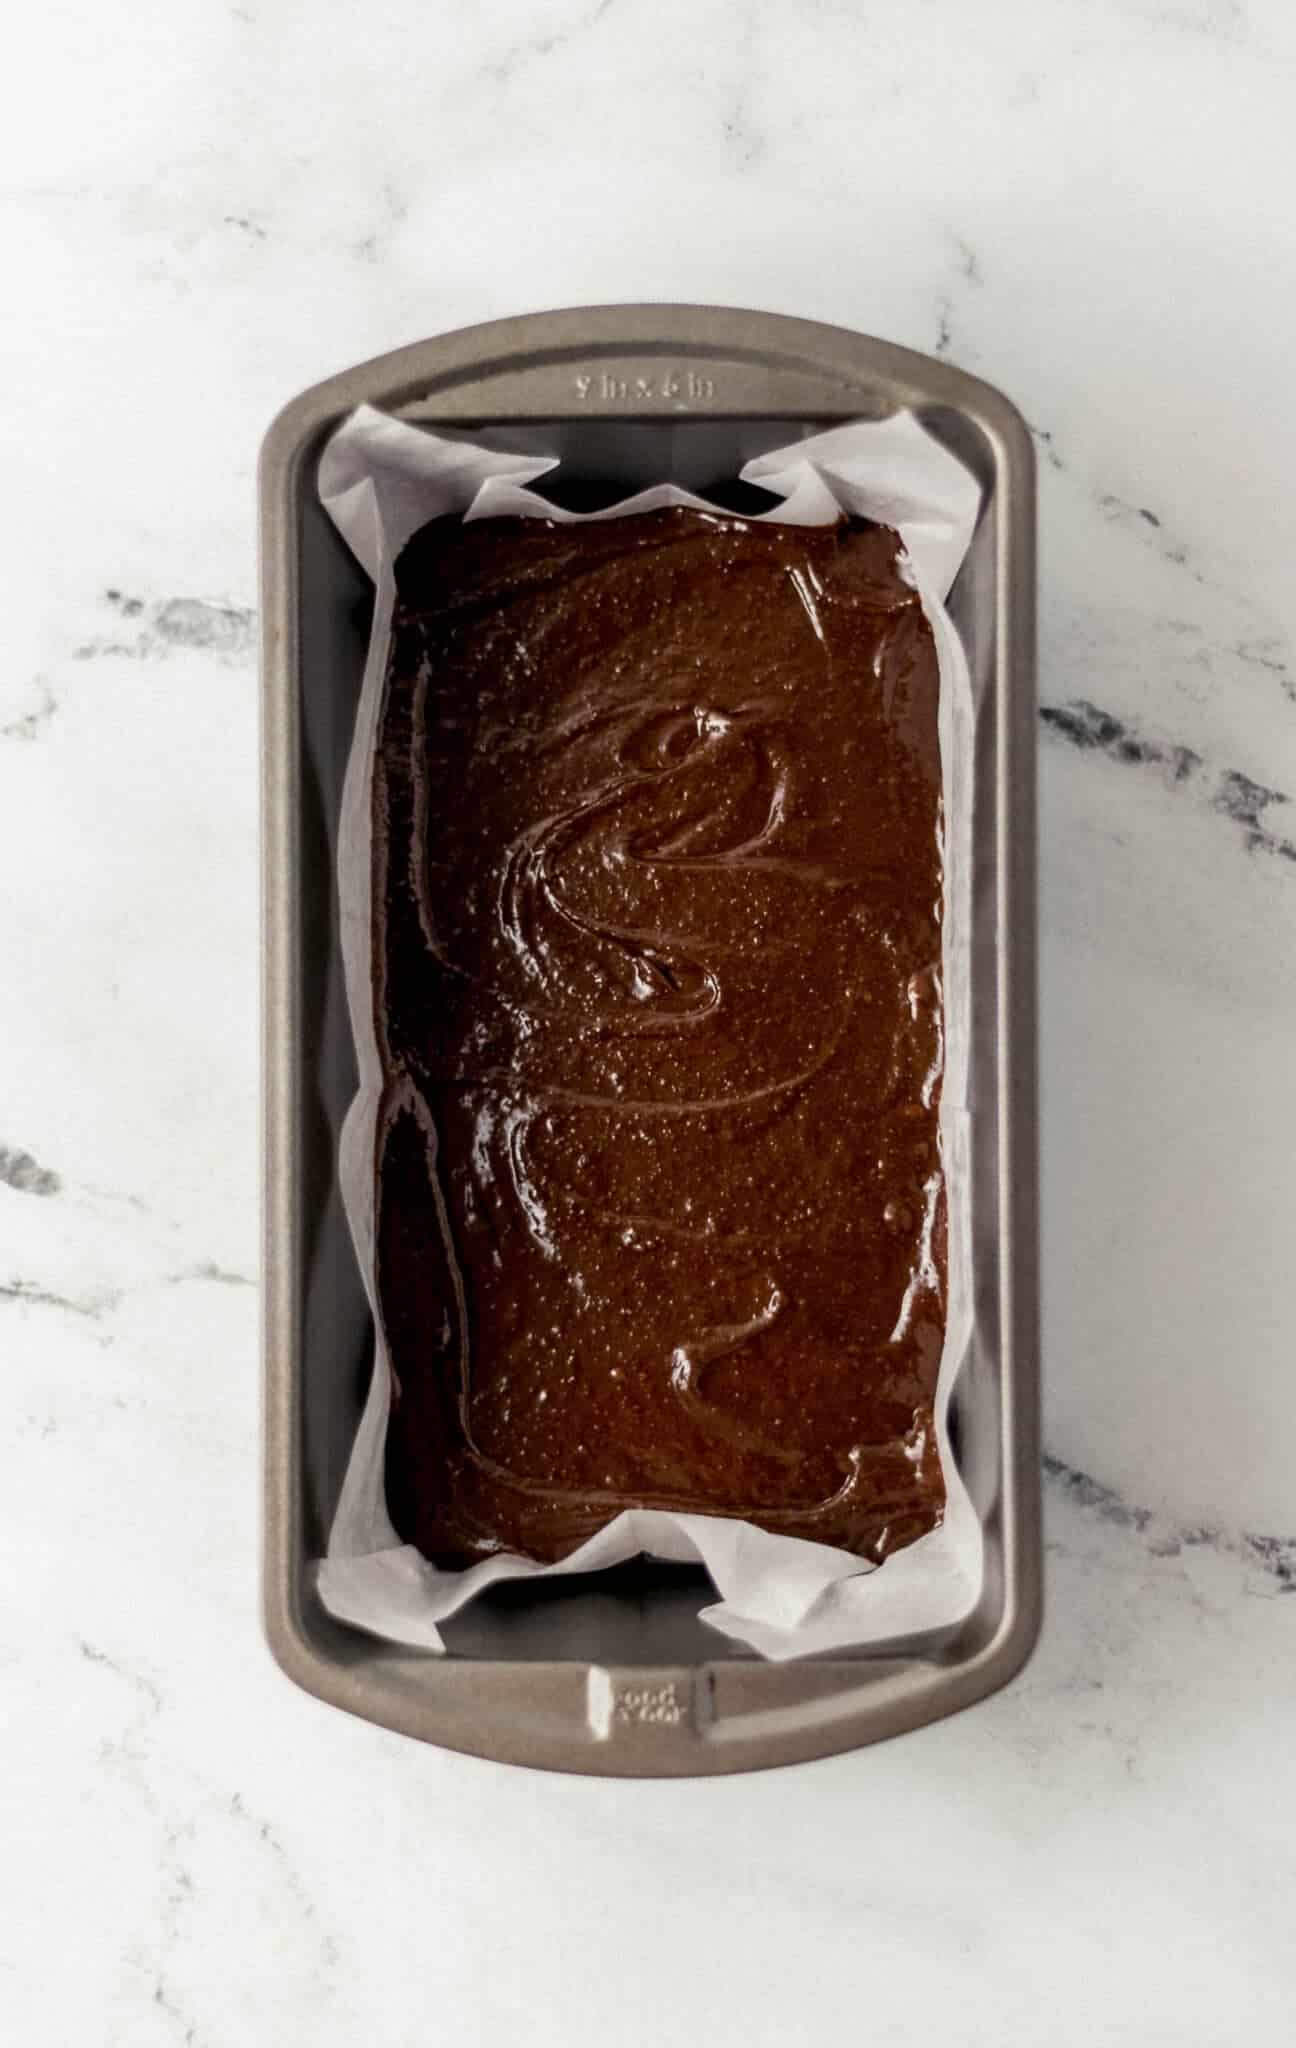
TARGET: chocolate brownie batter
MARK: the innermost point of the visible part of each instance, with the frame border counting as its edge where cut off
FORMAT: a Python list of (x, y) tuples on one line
[(657, 902)]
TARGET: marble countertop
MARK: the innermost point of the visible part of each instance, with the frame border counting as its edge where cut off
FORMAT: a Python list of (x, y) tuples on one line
[(210, 206)]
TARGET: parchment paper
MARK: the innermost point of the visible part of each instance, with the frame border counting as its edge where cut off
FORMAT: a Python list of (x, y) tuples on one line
[(380, 480)]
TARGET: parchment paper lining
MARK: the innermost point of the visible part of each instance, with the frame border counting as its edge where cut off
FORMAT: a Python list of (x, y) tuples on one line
[(381, 480)]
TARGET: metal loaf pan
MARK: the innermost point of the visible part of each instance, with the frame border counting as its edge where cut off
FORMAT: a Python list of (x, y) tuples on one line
[(614, 1673)]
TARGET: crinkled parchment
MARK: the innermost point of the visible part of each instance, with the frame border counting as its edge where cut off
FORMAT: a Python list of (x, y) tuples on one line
[(380, 480)]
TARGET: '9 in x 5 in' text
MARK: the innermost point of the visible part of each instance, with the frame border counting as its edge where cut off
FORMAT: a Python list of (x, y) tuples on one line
[(683, 387)]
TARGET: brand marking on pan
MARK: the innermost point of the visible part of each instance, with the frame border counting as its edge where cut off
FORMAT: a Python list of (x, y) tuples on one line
[(652, 1705), (628, 1703)]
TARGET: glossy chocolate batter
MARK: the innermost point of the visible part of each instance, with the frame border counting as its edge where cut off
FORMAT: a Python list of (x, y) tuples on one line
[(657, 896)]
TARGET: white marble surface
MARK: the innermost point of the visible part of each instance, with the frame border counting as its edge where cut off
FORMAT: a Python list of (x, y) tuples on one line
[(207, 207)]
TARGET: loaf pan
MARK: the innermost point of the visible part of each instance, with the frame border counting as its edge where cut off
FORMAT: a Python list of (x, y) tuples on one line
[(614, 1673)]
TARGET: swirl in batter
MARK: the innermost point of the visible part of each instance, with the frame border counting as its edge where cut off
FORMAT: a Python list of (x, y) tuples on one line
[(657, 907)]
